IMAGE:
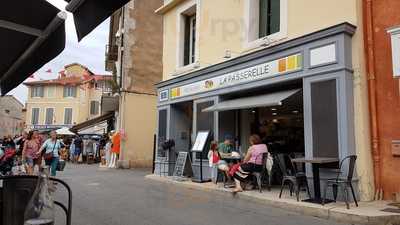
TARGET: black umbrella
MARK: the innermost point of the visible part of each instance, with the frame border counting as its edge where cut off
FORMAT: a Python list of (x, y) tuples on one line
[(88, 14), (31, 34)]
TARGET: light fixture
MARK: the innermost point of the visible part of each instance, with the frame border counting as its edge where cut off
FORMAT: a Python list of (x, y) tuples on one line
[(228, 54), (295, 111), (274, 114), (275, 121), (273, 109), (253, 111)]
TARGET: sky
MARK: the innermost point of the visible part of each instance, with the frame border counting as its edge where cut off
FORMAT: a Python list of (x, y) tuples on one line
[(89, 52)]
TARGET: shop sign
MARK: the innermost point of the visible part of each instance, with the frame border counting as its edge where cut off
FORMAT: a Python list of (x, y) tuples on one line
[(258, 72)]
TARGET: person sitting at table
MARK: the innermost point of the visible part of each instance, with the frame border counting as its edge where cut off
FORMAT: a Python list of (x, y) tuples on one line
[(252, 162), (226, 148), (215, 161)]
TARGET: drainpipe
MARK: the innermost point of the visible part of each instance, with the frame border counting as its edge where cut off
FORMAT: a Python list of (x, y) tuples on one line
[(368, 18)]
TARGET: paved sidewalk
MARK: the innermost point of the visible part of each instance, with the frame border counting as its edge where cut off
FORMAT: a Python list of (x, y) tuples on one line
[(368, 213)]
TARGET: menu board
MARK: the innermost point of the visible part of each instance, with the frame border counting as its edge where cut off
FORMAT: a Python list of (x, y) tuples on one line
[(180, 164), (201, 140)]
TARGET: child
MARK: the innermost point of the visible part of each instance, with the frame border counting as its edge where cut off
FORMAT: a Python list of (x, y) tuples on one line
[(214, 158)]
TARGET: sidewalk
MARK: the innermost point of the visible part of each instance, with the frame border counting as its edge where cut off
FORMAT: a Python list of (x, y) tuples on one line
[(368, 213)]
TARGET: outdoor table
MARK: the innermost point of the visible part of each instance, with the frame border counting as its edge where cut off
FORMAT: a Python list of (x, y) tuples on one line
[(316, 162), (233, 159)]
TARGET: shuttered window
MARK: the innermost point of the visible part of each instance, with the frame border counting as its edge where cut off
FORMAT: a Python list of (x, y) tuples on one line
[(49, 116), (69, 91), (68, 116), (269, 17), (37, 92), (94, 107), (35, 116)]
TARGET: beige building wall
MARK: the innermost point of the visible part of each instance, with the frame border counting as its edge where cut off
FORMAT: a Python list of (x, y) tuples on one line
[(139, 130), (223, 26)]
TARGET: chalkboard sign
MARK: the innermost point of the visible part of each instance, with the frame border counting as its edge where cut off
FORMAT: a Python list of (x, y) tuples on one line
[(201, 140), (180, 164)]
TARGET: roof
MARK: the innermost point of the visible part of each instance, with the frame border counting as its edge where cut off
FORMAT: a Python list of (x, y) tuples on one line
[(14, 99), (78, 64), (73, 80)]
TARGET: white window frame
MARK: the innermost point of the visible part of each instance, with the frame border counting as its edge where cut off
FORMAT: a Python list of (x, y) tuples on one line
[(38, 120), (69, 88), (45, 116), (90, 108), (251, 38), (33, 91), (72, 115), (395, 42), (180, 37)]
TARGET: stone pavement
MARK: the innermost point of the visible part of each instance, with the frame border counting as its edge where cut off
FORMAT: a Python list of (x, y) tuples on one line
[(125, 197), (368, 213)]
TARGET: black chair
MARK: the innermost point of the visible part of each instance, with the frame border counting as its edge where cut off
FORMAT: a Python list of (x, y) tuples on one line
[(260, 176), (16, 193), (292, 177), (345, 183)]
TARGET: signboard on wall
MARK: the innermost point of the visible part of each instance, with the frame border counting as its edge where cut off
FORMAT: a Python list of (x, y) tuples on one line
[(261, 71)]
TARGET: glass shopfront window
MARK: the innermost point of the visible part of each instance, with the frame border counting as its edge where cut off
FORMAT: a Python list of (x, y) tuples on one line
[(205, 122)]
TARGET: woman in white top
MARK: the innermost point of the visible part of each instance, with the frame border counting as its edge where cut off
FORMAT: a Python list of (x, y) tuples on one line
[(52, 146)]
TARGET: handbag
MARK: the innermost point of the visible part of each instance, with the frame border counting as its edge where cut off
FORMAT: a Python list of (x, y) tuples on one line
[(61, 165), (49, 156)]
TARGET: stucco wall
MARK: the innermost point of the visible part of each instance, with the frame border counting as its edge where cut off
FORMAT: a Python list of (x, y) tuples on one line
[(386, 15), (140, 126)]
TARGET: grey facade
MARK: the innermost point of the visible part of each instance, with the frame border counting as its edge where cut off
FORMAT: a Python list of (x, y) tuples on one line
[(327, 95)]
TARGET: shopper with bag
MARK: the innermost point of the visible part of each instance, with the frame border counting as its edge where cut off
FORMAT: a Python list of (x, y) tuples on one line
[(52, 147)]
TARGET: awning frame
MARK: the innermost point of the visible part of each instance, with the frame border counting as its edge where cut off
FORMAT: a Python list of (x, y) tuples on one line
[(58, 20), (285, 94)]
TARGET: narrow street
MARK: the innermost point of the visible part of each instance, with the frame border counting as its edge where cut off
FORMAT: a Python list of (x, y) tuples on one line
[(125, 197)]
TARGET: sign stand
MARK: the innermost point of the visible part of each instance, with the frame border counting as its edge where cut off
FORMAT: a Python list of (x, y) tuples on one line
[(180, 166), (198, 147)]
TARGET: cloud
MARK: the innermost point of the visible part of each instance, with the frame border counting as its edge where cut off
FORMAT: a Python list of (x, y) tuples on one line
[(89, 52)]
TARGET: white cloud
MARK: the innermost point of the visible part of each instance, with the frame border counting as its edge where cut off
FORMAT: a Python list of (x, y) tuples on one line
[(89, 52)]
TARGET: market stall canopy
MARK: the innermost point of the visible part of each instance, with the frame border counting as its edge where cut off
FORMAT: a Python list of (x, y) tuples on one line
[(88, 14), (31, 34), (272, 99), (93, 122), (64, 131)]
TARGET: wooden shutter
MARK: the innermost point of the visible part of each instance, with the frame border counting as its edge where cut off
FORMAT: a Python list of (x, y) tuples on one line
[(274, 16), (263, 18)]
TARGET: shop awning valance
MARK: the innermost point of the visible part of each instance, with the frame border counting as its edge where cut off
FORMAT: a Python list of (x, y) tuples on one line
[(31, 34), (272, 99), (92, 122), (88, 14)]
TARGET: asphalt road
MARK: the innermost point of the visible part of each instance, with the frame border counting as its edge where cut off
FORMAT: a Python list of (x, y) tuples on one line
[(125, 197)]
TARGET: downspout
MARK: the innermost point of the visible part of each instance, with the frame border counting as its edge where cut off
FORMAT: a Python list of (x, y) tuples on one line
[(368, 17)]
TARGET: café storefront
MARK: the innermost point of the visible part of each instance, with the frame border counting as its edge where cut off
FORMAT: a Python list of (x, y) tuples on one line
[(297, 94)]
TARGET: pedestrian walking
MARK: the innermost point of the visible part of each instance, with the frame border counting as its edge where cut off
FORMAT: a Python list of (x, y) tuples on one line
[(29, 152), (52, 147)]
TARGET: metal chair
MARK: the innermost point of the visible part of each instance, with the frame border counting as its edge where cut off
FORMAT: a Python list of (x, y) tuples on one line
[(260, 176), (292, 177), (345, 183), (16, 193)]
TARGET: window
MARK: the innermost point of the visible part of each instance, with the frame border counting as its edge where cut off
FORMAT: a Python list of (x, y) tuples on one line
[(94, 107), (68, 116), (187, 34), (265, 22), (395, 39), (162, 130), (49, 116), (69, 91), (35, 116), (269, 18), (190, 40), (204, 122), (51, 91), (37, 92)]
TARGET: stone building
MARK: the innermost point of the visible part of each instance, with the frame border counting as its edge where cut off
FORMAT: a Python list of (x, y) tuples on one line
[(11, 116), (135, 57)]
